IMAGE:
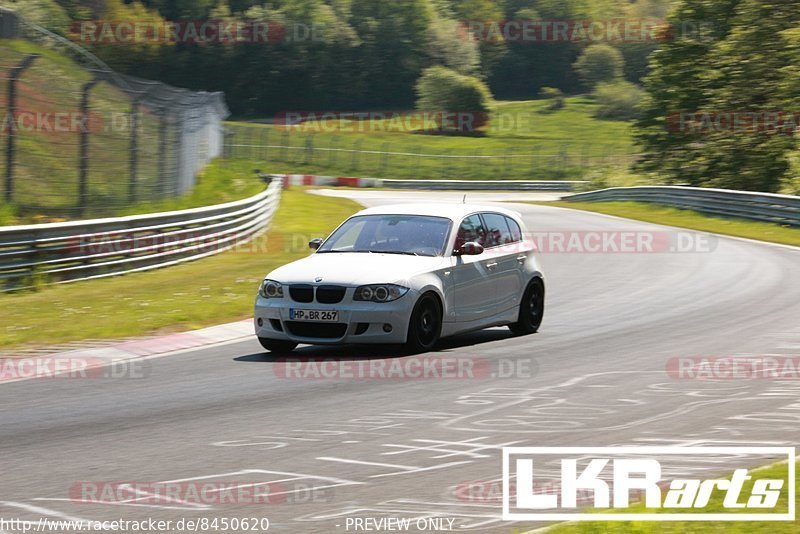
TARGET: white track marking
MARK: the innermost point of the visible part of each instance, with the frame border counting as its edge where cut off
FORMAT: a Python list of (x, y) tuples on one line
[(193, 507), (42, 511)]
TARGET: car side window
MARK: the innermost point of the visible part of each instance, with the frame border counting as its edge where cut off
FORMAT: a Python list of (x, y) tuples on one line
[(497, 232), (516, 232), (471, 229)]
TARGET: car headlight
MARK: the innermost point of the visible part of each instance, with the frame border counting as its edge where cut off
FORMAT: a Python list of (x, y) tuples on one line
[(270, 289), (380, 292)]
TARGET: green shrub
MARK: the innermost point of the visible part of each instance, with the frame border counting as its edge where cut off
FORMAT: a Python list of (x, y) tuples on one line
[(555, 96), (617, 100), (440, 89), (7, 215), (599, 63)]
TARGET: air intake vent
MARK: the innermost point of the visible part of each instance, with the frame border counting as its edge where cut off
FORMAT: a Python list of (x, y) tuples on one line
[(301, 293), (316, 330), (330, 294)]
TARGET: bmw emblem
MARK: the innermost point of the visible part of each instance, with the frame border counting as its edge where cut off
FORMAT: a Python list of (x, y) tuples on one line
[(318, 279)]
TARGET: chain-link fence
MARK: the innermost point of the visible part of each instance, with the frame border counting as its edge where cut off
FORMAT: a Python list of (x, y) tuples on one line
[(409, 158), (79, 139)]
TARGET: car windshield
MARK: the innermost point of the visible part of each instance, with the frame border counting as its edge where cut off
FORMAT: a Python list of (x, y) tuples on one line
[(415, 235)]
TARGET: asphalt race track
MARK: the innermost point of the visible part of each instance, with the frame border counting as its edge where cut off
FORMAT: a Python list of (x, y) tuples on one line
[(595, 375)]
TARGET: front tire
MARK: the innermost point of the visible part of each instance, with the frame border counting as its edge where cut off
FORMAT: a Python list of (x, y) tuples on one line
[(531, 309), (276, 345), (425, 325)]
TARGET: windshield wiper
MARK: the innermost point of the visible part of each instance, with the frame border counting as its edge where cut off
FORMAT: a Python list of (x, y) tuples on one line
[(407, 252)]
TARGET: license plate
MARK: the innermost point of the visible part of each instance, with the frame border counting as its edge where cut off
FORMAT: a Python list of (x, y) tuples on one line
[(323, 316)]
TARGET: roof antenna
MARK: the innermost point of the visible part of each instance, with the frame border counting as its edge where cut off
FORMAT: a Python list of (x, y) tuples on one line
[(464, 200)]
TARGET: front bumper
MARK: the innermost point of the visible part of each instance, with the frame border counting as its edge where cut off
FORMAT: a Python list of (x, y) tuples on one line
[(358, 322)]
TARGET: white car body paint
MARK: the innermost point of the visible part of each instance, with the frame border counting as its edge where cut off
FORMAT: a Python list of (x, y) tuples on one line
[(476, 291)]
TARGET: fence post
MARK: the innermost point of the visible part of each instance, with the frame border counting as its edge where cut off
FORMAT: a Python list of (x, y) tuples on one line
[(83, 175), (309, 149), (478, 164), (162, 154), (179, 139), (356, 154), (284, 144), (384, 160), (229, 138), (16, 72), (134, 149), (333, 149)]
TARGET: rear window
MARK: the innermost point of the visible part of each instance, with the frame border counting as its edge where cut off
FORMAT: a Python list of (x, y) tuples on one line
[(513, 227), (497, 232)]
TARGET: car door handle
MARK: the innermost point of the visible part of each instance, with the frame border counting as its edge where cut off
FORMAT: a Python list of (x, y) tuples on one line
[(491, 265), (521, 259)]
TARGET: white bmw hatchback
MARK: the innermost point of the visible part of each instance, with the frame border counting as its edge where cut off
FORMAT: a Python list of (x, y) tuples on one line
[(406, 274)]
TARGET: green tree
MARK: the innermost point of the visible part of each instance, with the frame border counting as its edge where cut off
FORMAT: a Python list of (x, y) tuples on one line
[(676, 84), (447, 45), (393, 49), (46, 13), (745, 62)]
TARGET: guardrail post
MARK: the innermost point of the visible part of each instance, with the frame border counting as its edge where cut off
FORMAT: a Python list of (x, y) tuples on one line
[(83, 175), (11, 99), (134, 149)]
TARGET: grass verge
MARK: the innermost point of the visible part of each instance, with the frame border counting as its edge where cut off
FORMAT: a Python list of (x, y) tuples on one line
[(715, 505), (642, 211), (220, 181), (202, 293), (524, 140)]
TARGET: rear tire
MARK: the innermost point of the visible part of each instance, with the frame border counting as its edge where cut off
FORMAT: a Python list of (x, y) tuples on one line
[(531, 309), (277, 346), (425, 325)]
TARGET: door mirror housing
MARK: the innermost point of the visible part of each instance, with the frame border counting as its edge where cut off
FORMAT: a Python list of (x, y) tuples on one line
[(470, 248), (315, 243)]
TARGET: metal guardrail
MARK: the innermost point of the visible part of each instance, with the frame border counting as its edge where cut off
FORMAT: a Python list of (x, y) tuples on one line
[(83, 250), (768, 207), (477, 185)]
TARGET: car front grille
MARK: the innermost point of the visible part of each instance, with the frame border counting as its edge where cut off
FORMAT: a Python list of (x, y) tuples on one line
[(316, 330), (325, 294), (301, 292), (330, 294)]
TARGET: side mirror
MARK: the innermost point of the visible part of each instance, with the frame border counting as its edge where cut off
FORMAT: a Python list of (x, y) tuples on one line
[(315, 243), (470, 248)]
